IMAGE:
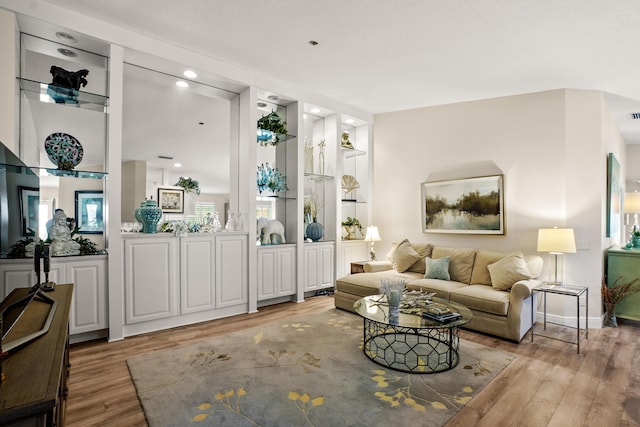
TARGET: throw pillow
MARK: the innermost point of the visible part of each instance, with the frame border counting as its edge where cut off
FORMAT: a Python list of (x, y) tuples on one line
[(437, 268), (403, 256), (508, 271)]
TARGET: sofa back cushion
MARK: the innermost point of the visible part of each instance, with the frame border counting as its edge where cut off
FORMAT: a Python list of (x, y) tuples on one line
[(403, 256), (507, 271), (460, 261), (424, 250), (480, 274)]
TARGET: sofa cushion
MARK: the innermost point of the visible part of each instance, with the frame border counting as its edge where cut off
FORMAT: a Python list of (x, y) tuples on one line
[(437, 268), (442, 288), (534, 264), (480, 274), (508, 271), (363, 284), (482, 298), (403, 256), (424, 250), (460, 262)]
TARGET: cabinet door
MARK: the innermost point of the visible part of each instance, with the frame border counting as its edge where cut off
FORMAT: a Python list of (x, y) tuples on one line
[(625, 264), (89, 306), (276, 272), (21, 274), (318, 265), (231, 272), (351, 251), (197, 274), (151, 278)]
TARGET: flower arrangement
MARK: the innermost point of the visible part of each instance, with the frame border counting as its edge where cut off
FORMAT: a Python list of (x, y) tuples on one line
[(178, 228), (270, 179), (611, 296), (190, 185), (271, 129)]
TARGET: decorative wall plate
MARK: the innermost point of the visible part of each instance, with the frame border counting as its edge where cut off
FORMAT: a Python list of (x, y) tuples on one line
[(64, 150)]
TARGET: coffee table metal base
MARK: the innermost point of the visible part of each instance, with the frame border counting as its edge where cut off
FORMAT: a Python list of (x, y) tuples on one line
[(414, 350)]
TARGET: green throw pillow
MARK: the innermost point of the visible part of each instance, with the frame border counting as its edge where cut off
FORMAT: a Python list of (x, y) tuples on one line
[(437, 268)]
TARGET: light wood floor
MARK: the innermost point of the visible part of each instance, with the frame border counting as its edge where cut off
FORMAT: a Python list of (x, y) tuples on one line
[(547, 385)]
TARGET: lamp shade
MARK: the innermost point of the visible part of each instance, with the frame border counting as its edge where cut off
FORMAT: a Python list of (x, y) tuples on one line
[(556, 240), (372, 234), (631, 203)]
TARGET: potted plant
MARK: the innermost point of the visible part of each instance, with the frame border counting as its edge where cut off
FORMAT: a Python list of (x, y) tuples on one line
[(350, 225), (271, 129), (190, 185), (611, 296)]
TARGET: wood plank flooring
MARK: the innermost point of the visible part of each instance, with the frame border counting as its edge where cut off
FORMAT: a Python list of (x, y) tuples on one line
[(547, 385)]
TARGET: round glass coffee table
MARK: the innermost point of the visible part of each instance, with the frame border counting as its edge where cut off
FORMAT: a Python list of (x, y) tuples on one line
[(408, 342)]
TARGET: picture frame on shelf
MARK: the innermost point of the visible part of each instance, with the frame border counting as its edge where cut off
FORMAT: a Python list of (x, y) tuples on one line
[(171, 200), (89, 211), (464, 206), (29, 206)]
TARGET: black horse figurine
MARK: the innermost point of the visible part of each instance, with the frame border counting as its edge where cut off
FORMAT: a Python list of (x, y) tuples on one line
[(68, 79)]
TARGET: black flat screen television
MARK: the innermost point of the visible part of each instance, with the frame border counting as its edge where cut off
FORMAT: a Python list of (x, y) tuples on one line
[(19, 201)]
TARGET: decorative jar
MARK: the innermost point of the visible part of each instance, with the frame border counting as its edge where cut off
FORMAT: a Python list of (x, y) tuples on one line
[(148, 214), (315, 230)]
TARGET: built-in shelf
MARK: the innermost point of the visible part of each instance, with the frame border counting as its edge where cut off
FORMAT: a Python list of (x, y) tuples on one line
[(70, 173), (352, 152), (358, 202), (38, 91), (317, 177)]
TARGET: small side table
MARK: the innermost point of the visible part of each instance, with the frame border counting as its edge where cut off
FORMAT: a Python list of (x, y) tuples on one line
[(358, 266), (573, 291)]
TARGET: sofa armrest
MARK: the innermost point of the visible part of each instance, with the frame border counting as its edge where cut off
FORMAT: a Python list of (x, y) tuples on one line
[(373, 266), (522, 289)]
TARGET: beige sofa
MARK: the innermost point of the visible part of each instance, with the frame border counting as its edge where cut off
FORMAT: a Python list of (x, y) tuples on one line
[(495, 286)]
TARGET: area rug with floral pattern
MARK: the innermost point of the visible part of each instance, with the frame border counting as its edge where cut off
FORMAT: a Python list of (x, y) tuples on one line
[(307, 371)]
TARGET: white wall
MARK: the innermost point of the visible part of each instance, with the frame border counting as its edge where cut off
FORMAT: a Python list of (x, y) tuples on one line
[(549, 147)]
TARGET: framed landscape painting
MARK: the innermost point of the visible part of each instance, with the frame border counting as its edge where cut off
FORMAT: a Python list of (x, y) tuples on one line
[(467, 206), (171, 200), (90, 211)]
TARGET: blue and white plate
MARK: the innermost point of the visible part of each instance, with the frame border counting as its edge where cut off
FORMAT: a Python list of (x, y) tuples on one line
[(64, 150)]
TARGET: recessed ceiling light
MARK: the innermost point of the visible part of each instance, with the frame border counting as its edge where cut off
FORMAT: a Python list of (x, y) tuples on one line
[(181, 83), (315, 110), (67, 52), (273, 98), (66, 37), (262, 104), (190, 74), (349, 121), (178, 165)]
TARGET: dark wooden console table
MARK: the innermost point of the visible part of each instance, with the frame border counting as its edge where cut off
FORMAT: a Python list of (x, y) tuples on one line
[(34, 390)]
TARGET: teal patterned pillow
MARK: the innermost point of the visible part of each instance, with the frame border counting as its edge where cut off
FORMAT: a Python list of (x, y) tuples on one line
[(437, 268)]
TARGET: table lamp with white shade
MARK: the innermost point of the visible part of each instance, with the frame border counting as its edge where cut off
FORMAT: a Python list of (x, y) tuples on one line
[(556, 241), (631, 206), (373, 236)]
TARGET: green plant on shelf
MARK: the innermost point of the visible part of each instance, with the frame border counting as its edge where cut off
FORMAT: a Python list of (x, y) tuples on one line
[(190, 185), (352, 222), (276, 129)]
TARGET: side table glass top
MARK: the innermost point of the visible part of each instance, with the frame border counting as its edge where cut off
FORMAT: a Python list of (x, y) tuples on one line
[(375, 308)]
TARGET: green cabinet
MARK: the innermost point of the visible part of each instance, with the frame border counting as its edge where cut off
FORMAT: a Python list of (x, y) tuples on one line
[(625, 263)]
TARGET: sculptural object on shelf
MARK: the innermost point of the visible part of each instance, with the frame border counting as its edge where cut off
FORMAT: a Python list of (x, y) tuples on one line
[(345, 143), (65, 84), (60, 235), (270, 231), (68, 79), (349, 184)]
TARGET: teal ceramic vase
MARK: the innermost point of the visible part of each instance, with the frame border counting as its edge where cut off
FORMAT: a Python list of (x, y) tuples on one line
[(148, 214), (315, 230), (635, 241)]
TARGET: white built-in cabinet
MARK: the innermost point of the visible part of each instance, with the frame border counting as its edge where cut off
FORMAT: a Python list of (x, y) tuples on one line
[(88, 274), (171, 281), (276, 271)]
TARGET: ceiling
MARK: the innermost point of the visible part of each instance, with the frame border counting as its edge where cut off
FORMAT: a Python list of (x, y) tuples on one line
[(387, 56), (383, 56)]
